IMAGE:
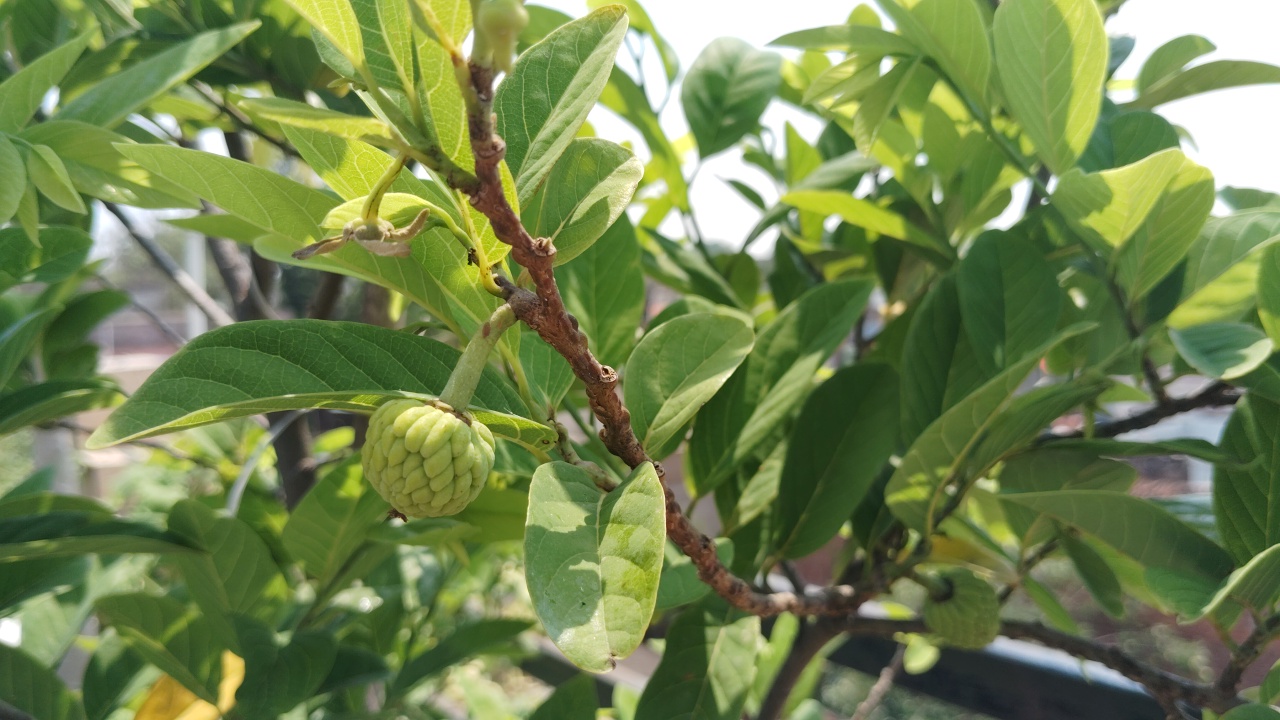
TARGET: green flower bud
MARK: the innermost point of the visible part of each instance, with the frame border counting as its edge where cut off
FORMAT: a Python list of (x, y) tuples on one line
[(967, 617), (425, 459), (498, 27)]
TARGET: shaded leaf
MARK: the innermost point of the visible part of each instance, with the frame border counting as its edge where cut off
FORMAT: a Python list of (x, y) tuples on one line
[(726, 90)]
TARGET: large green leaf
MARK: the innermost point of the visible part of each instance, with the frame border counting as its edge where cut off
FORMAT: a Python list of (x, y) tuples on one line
[(438, 90), (172, 636), (707, 667), (1135, 527), (585, 192), (98, 169), (332, 520), (1223, 350), (22, 93), (19, 339), (726, 91), (263, 366), (593, 560), (1254, 585), (114, 674), (1246, 498), (1162, 242), (868, 215), (1009, 298), (47, 401), (1052, 60), (465, 642), (235, 574), (939, 365), (604, 289), (1269, 292), (34, 690), (66, 533), (953, 33), (936, 457), (1169, 58), (336, 22), (1108, 207), (62, 252), (1220, 282), (841, 441), (110, 101), (13, 179), (776, 378), (544, 101), (1217, 75), (679, 584), (297, 114), (258, 195), (277, 677), (677, 368)]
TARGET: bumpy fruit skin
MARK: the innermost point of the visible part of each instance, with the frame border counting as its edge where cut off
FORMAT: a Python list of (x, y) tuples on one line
[(426, 460), (970, 617)]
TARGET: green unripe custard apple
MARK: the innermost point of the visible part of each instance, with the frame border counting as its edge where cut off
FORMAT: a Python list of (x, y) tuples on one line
[(425, 459), (970, 617)]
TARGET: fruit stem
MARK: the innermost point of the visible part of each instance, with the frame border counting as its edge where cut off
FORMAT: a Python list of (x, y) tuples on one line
[(373, 202), (466, 375)]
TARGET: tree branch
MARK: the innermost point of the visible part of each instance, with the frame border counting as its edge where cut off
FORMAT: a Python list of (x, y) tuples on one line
[(1216, 395), (808, 643), (881, 688), (1245, 655), (1165, 687), (174, 271), (544, 311)]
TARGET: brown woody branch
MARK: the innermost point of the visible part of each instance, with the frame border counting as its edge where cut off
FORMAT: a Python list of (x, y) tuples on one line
[(544, 311), (1216, 395), (1168, 689)]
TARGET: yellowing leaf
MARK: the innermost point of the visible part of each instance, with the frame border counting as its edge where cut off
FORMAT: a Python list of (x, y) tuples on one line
[(169, 700)]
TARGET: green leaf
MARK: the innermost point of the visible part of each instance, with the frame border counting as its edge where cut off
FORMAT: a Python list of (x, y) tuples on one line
[(235, 574), (1097, 575), (679, 584), (29, 687), (13, 179), (97, 168), (297, 114), (114, 674), (1135, 527), (549, 374), (1052, 59), (332, 520), (677, 368), (1217, 75), (936, 457), (1251, 712), (844, 436), (1108, 207), (1269, 291), (862, 40), (336, 22), (1009, 298), (879, 101), (19, 339), (585, 192), (623, 96), (61, 253), (952, 32), (110, 101), (726, 90), (61, 534), (1246, 499), (1220, 282), (43, 402), (354, 666), (544, 101), (50, 177), (277, 678), (593, 560), (258, 195), (1222, 350), (935, 356), (219, 225), (778, 375), (467, 641), (170, 635), (1162, 242), (22, 93), (868, 215), (1171, 57), (572, 700), (1256, 586), (707, 667), (254, 367)]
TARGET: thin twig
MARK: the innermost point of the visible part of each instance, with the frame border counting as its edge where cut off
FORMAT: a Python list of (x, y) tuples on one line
[(241, 120), (174, 271), (236, 493), (1216, 395), (808, 643), (1165, 687), (880, 689), (168, 330), (1246, 654)]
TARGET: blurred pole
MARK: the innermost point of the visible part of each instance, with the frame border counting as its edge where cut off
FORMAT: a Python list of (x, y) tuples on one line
[(193, 261)]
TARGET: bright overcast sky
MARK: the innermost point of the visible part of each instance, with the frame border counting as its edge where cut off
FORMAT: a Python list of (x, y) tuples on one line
[(1236, 130)]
